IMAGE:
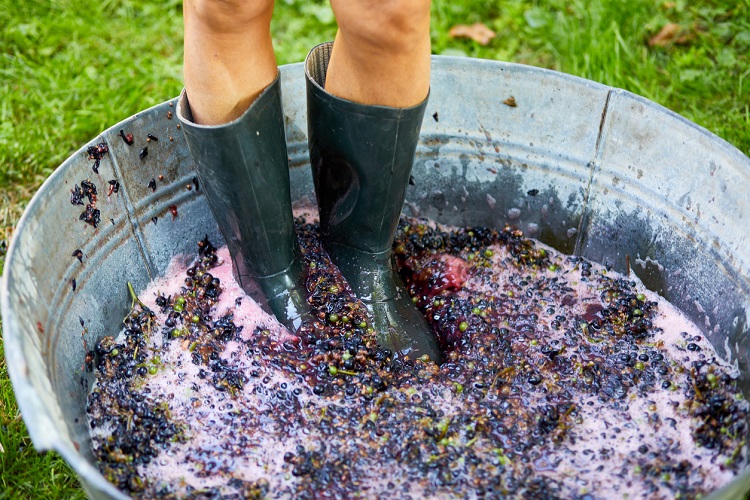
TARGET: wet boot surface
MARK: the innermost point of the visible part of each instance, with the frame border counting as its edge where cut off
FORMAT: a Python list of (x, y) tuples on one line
[(361, 158), (243, 167)]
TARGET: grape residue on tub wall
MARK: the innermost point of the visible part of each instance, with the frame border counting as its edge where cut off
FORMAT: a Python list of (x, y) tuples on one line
[(560, 379)]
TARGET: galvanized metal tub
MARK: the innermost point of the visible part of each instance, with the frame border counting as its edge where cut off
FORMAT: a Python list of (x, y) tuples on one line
[(586, 168)]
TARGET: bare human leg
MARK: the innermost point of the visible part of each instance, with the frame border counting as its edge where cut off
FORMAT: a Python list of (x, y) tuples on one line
[(229, 56), (381, 54)]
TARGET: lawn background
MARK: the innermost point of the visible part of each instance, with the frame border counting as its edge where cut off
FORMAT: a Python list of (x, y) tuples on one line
[(71, 68)]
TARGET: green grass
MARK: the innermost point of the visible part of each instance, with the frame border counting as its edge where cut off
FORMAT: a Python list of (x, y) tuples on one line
[(69, 69), (23, 472)]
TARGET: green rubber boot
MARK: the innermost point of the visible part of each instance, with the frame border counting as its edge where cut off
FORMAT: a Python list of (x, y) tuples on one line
[(361, 158), (244, 171)]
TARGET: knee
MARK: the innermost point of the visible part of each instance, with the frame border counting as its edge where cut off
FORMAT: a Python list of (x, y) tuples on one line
[(225, 16), (384, 25)]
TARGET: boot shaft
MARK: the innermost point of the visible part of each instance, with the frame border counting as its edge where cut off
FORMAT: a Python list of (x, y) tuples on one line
[(243, 167), (361, 157)]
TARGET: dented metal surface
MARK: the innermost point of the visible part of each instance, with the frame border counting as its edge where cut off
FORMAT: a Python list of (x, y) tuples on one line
[(583, 167)]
